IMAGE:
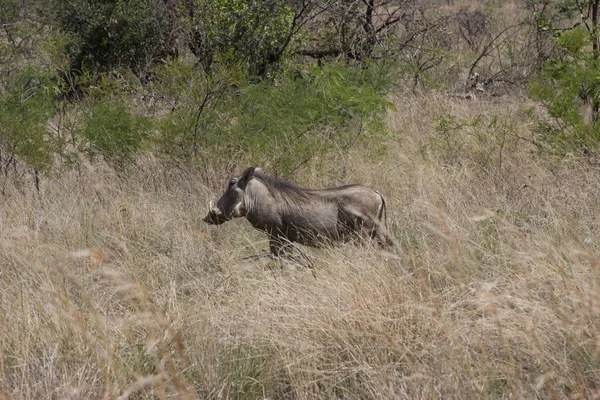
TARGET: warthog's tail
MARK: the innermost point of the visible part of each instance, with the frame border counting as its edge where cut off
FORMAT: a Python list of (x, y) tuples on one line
[(382, 226), (382, 214)]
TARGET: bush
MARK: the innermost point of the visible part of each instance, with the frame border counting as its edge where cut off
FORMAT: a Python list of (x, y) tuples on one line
[(217, 119), (564, 86), (287, 125), (198, 109), (114, 33), (112, 131), (252, 32), (24, 114)]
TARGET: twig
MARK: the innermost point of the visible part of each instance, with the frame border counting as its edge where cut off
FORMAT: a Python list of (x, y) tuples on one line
[(489, 45)]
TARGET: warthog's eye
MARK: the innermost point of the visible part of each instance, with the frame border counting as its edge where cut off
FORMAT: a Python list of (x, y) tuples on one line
[(232, 182)]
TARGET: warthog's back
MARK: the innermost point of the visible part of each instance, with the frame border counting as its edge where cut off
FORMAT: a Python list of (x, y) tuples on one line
[(360, 197), (310, 215)]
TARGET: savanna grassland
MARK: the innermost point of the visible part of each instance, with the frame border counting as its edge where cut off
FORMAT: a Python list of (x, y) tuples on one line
[(111, 286)]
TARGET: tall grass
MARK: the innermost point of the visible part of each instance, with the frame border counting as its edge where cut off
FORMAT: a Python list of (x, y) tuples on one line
[(111, 286)]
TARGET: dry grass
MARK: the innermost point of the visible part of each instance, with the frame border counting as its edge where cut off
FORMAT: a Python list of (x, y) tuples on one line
[(112, 286)]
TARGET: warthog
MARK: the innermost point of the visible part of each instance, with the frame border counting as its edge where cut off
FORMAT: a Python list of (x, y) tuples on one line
[(307, 216)]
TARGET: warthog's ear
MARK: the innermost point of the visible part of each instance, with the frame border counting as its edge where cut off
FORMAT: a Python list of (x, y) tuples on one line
[(258, 170), (247, 176)]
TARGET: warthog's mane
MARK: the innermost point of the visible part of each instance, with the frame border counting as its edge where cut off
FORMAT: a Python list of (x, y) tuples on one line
[(282, 190), (292, 194)]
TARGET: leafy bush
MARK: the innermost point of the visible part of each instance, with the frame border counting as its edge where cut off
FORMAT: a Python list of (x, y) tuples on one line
[(24, 114), (111, 130), (254, 32), (198, 105), (114, 33), (289, 124), (564, 86), (482, 143), (217, 119)]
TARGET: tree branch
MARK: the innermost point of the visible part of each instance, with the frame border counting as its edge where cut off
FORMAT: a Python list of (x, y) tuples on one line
[(489, 45)]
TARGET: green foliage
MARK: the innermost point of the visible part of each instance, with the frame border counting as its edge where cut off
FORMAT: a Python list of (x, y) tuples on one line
[(253, 32), (552, 13), (199, 104), (113, 33), (218, 119), (480, 142), (22, 27), (563, 85), (287, 125), (113, 131), (24, 114)]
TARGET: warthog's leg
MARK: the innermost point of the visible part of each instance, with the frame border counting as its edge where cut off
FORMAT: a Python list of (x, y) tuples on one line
[(280, 247), (384, 237), (377, 230), (373, 226), (277, 245)]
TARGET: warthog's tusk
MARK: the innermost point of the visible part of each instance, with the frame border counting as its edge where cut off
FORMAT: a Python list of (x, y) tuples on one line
[(211, 204)]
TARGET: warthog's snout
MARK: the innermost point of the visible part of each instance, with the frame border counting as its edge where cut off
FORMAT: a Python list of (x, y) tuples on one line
[(214, 217), (208, 218)]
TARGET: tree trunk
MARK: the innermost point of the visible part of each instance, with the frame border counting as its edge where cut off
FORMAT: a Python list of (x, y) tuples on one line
[(596, 46), (595, 103), (370, 33)]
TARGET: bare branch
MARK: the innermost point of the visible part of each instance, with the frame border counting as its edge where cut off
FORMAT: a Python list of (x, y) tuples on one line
[(489, 45)]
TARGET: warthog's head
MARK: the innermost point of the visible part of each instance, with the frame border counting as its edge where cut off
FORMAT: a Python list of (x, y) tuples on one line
[(231, 204)]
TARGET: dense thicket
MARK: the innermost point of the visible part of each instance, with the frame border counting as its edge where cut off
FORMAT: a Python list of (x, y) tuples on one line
[(277, 82)]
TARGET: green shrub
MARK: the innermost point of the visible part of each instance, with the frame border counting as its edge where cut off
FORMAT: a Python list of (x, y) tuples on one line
[(114, 33), (286, 125), (482, 143), (563, 86), (198, 109), (256, 33), (111, 130), (24, 114), (220, 119)]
